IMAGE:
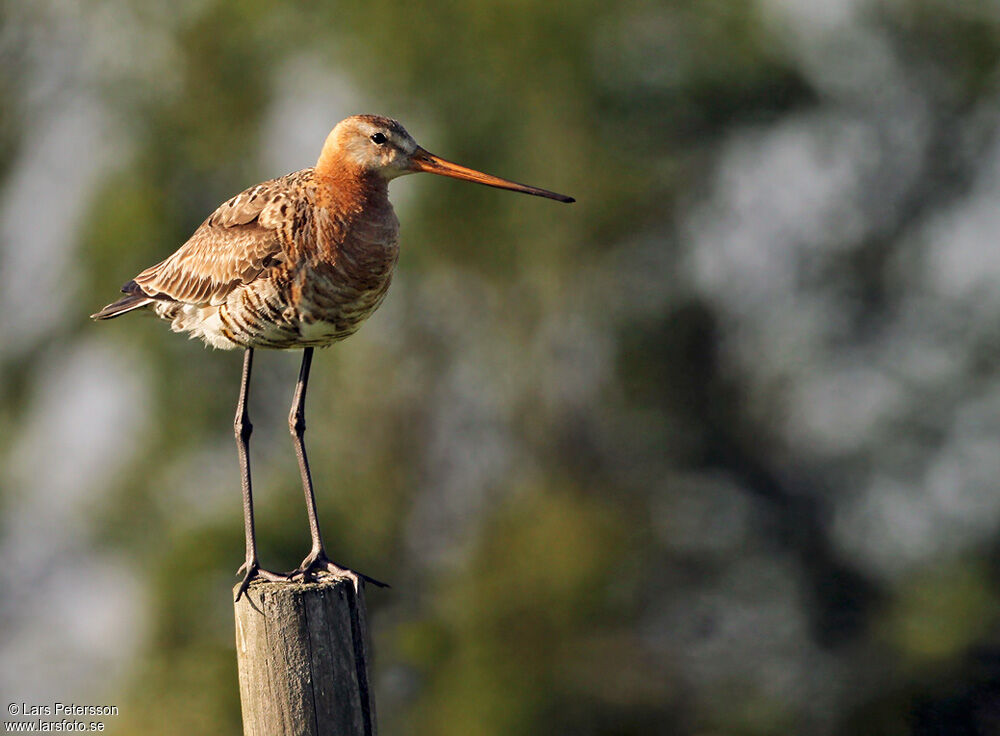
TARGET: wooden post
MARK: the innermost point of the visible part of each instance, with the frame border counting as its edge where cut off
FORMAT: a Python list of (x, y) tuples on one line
[(302, 651)]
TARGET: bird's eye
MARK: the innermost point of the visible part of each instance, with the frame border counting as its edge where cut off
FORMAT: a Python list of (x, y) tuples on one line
[(379, 138)]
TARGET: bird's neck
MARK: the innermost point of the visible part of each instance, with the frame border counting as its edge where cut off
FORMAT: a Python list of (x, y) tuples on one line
[(349, 189), (345, 185)]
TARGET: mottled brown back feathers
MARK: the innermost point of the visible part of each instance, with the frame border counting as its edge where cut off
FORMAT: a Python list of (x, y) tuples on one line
[(298, 260)]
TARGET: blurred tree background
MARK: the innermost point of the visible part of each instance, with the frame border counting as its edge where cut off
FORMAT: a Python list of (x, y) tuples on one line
[(712, 451)]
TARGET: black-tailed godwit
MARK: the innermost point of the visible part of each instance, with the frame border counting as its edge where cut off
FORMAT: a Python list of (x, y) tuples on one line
[(296, 262)]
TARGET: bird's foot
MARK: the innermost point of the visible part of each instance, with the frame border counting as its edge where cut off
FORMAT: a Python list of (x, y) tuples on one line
[(318, 563), (253, 570)]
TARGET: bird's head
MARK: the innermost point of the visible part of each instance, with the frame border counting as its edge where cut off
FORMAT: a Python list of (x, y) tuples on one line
[(382, 146), (372, 143)]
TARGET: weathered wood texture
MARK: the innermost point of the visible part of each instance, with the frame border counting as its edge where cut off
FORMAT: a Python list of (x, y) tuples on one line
[(302, 651)]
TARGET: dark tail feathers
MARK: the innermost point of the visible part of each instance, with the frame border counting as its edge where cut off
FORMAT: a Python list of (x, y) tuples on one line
[(123, 305)]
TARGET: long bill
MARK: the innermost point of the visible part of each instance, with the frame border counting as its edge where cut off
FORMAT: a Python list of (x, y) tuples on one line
[(421, 160)]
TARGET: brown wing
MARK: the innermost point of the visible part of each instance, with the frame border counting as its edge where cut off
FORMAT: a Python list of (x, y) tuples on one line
[(238, 241)]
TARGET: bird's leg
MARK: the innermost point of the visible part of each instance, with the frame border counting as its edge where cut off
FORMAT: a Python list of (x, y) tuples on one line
[(243, 430), (316, 561)]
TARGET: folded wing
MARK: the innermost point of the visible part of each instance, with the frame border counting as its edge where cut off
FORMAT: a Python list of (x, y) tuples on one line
[(232, 247)]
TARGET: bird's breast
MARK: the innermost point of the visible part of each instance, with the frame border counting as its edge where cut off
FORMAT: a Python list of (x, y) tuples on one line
[(349, 275)]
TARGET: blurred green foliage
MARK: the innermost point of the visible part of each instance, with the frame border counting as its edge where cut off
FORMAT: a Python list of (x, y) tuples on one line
[(511, 439)]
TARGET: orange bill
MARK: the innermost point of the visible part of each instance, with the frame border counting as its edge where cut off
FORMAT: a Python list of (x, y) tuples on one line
[(424, 161)]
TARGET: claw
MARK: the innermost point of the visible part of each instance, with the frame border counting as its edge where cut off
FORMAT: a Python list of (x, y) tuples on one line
[(253, 570), (318, 562)]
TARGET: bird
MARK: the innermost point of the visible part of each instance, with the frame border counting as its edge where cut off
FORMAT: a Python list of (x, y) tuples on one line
[(296, 262)]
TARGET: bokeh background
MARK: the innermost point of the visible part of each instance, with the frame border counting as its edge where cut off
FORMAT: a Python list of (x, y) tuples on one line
[(715, 450)]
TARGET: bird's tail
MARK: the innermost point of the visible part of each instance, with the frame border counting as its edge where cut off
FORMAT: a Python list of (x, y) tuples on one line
[(123, 305)]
